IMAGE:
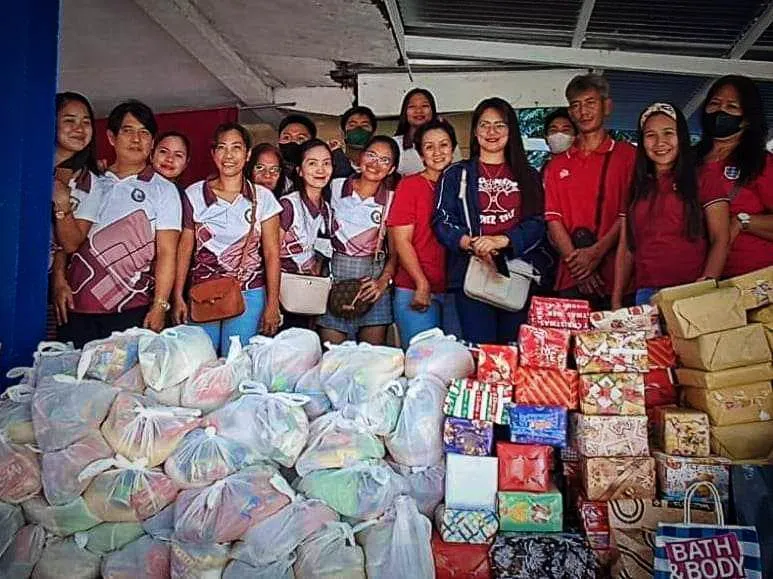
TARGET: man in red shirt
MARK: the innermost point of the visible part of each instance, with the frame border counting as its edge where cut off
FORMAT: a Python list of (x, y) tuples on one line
[(586, 189)]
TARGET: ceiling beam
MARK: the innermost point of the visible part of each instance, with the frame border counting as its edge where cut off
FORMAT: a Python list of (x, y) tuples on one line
[(425, 46), (741, 46), (582, 23), (396, 22)]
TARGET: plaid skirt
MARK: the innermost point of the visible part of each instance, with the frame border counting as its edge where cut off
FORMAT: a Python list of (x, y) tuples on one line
[(347, 267)]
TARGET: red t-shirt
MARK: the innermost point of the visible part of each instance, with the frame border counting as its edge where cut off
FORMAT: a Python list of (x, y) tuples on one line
[(663, 255), (749, 252), (572, 181), (414, 204), (499, 198)]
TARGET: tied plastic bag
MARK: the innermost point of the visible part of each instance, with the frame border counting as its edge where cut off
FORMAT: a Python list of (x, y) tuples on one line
[(131, 381), (109, 537), (330, 552), (432, 352), (110, 358), (398, 544), (16, 414), (223, 512), (65, 409), (417, 440), (335, 442), (197, 561), (204, 456), (11, 520), (62, 468), (174, 355), (19, 472), (215, 383), (125, 491), (161, 525), (273, 425), (138, 427), (279, 362), (380, 413), (426, 484), (280, 569), (145, 558), (66, 558), (361, 491), (21, 556), (61, 520), (309, 385), (51, 358)]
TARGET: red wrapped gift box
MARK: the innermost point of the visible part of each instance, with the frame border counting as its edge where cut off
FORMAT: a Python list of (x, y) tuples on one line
[(660, 352), (559, 313), (524, 467), (497, 364), (595, 521), (659, 388), (547, 387), (543, 347), (460, 560)]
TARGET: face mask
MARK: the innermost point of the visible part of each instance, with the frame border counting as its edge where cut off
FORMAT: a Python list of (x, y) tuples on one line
[(357, 138), (721, 124), (291, 153), (559, 142)]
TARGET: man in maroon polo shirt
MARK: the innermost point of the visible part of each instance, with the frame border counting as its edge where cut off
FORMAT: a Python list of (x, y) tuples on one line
[(586, 189)]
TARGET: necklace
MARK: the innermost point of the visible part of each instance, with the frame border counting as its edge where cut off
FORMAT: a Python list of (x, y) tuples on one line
[(500, 171)]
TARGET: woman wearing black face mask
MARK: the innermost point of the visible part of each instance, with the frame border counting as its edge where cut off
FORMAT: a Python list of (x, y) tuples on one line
[(732, 152)]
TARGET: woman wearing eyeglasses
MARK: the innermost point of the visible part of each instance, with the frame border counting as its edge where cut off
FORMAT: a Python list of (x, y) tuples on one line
[(360, 206), (265, 168)]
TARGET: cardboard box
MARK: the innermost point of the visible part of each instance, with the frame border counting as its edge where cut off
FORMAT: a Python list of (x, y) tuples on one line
[(644, 318), (538, 425), (677, 473), (598, 352), (660, 352), (598, 436), (769, 335), (471, 437), (733, 405), (476, 400), (751, 441), (607, 478), (682, 431), (559, 313), (543, 347), (547, 387), (466, 526), (526, 511), (659, 388), (497, 364), (761, 315), (756, 287), (680, 292), (524, 467), (612, 394), (460, 560), (723, 378), (462, 495), (722, 350), (704, 314)]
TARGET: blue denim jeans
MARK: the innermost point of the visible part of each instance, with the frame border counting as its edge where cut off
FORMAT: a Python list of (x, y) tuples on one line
[(643, 295), (244, 326), (409, 321), (485, 324)]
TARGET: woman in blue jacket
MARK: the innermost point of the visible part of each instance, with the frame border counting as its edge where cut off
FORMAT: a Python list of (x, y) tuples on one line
[(504, 205)]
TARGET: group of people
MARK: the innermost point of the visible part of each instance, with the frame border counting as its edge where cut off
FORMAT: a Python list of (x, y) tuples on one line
[(400, 217)]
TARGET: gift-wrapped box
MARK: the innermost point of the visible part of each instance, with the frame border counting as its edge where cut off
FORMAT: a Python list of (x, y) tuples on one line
[(610, 478), (460, 561), (722, 350), (597, 352), (716, 311), (642, 318), (473, 437), (466, 526), (460, 471), (612, 394), (595, 522), (756, 287), (596, 436), (538, 556), (677, 473), (543, 347), (497, 364), (761, 315), (559, 313), (547, 387), (731, 377), (659, 388), (538, 425), (526, 511), (680, 292), (524, 467), (477, 400), (734, 404), (660, 352), (682, 431), (751, 441)]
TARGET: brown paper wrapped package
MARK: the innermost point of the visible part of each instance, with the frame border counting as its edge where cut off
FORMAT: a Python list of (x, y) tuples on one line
[(743, 441), (756, 287), (680, 292), (705, 314), (724, 378), (619, 478), (723, 350), (733, 405), (682, 431)]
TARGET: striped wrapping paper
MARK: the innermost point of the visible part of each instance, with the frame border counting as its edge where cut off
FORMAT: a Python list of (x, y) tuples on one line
[(547, 387), (476, 400), (660, 352)]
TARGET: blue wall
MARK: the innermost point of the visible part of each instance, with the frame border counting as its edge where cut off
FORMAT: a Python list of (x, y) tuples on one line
[(29, 48)]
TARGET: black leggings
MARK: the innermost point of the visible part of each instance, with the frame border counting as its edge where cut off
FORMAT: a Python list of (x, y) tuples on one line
[(82, 328)]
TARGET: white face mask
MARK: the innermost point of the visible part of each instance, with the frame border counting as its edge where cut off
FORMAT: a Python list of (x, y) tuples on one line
[(559, 142)]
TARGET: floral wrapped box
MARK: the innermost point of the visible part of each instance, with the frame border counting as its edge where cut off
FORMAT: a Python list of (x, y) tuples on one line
[(524, 467), (637, 318), (611, 478), (612, 394), (597, 352), (596, 436), (553, 556), (497, 364), (547, 387), (682, 431), (471, 437), (466, 526), (543, 347), (677, 473), (527, 511), (476, 400), (538, 425), (559, 313)]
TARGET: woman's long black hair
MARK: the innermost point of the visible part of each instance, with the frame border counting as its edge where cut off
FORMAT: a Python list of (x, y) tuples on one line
[(255, 154), (403, 128), (750, 154), (532, 199), (87, 158), (305, 147), (644, 182)]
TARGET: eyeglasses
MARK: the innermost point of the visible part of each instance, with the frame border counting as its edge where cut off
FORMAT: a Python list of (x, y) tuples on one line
[(270, 169), (499, 127), (132, 132), (374, 157)]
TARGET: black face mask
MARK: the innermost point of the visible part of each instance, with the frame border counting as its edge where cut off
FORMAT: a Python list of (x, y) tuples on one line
[(720, 124), (291, 153)]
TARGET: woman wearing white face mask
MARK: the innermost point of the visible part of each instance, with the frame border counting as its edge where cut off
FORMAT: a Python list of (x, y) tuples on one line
[(559, 131)]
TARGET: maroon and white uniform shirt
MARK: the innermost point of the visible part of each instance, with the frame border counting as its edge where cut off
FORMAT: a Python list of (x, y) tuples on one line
[(303, 224), (83, 204), (356, 220)]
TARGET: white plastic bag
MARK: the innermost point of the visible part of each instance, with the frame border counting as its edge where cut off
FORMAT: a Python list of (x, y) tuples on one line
[(145, 558), (11, 520), (19, 472), (379, 414), (161, 525), (309, 385), (61, 520), (61, 469), (417, 440), (432, 352), (16, 414), (109, 537), (174, 355), (198, 561), (23, 553), (278, 569), (110, 358), (426, 484), (53, 358), (215, 383), (131, 380), (330, 553), (279, 362), (65, 558)]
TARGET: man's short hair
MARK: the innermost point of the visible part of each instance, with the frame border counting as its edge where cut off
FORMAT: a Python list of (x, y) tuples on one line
[(585, 82), (138, 110)]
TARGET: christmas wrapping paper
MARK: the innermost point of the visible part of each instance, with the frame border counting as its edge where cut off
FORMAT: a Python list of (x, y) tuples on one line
[(756, 287), (466, 526), (715, 311), (543, 347), (682, 431), (723, 378), (752, 441), (722, 350), (461, 493), (659, 388), (524, 467), (538, 556), (460, 560), (597, 352), (538, 425), (476, 400), (733, 405), (471, 437), (612, 394), (611, 478), (594, 516), (559, 313), (497, 364), (637, 318), (547, 387), (660, 352), (677, 473), (526, 511), (598, 436)]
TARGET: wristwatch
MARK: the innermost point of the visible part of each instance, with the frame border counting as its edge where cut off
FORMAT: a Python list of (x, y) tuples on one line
[(745, 219), (163, 304)]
